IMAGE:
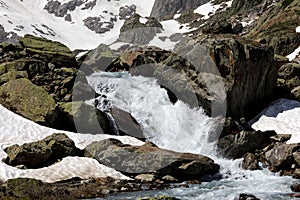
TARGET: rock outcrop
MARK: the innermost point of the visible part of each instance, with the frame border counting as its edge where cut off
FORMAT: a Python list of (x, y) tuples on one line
[(224, 68), (42, 153), (133, 160), (163, 10), (136, 32)]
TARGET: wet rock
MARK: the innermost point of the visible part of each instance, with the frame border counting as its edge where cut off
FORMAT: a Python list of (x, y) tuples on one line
[(281, 157), (42, 153), (126, 124), (158, 198), (295, 187), (134, 160), (250, 162), (247, 197), (30, 101), (236, 146), (83, 118), (193, 73)]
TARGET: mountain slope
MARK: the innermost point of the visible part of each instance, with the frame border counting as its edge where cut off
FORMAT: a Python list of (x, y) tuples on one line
[(82, 24)]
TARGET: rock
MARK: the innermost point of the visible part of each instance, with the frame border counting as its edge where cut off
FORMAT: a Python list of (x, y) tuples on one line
[(135, 32), (53, 52), (250, 162), (204, 75), (45, 63), (169, 179), (23, 187), (247, 197), (281, 157), (28, 100), (42, 153), (163, 10), (236, 146), (134, 160), (145, 177), (83, 118), (126, 124), (295, 187), (288, 80), (158, 198), (296, 93)]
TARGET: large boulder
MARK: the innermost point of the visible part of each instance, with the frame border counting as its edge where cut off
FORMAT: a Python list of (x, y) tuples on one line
[(42, 153), (133, 160), (29, 100), (126, 124), (81, 117), (283, 157), (237, 145), (44, 62), (53, 52)]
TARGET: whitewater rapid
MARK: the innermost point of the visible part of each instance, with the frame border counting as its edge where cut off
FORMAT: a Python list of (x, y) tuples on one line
[(178, 127)]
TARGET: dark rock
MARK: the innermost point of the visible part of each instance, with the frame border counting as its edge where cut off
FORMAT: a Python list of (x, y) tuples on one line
[(127, 11), (134, 160), (295, 187), (247, 197), (158, 198), (83, 118), (60, 10), (68, 18), (236, 146), (30, 101), (42, 153), (288, 80), (163, 10), (126, 124), (250, 162), (75, 188), (135, 32), (193, 73), (281, 157)]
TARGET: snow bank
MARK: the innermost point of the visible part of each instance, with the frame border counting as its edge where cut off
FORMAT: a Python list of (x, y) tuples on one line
[(282, 118), (15, 129)]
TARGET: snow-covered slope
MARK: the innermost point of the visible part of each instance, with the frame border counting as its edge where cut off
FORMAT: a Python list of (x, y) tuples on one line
[(72, 22)]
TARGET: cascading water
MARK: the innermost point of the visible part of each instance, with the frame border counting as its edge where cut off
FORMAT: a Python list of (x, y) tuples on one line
[(178, 127)]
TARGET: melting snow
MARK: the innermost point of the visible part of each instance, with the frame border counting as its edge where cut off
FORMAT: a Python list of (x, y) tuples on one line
[(15, 129), (282, 117)]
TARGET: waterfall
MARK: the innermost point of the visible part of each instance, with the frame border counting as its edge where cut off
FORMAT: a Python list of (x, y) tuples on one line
[(178, 127)]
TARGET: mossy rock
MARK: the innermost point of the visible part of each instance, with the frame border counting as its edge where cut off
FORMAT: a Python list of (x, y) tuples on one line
[(52, 51), (28, 100), (23, 187)]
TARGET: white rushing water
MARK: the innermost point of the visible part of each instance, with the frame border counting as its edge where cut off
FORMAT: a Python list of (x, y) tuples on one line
[(180, 128)]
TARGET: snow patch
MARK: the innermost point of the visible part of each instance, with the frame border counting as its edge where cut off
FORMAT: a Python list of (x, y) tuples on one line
[(209, 9), (282, 122), (298, 29), (15, 129), (143, 20)]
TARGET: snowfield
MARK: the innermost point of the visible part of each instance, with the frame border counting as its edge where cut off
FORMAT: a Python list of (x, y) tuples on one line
[(29, 17)]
